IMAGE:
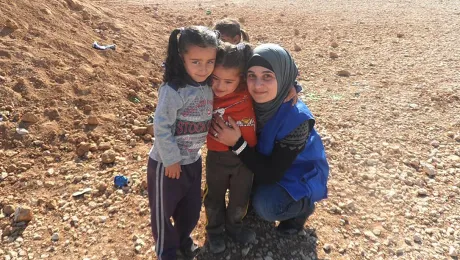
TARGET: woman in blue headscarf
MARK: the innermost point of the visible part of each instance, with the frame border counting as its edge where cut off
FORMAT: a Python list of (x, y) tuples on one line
[(289, 162)]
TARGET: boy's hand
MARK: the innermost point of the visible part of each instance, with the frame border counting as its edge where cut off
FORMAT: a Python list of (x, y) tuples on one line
[(173, 171), (292, 96)]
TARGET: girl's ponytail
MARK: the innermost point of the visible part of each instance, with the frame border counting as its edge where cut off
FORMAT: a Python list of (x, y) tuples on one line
[(173, 64), (244, 35)]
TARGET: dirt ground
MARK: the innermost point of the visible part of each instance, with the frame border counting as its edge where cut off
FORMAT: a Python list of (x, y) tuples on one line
[(382, 78)]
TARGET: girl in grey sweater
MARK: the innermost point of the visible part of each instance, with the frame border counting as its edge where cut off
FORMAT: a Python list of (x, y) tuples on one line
[(181, 123)]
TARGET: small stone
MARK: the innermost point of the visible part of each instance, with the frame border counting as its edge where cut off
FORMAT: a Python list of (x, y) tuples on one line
[(104, 146), (93, 120), (435, 143), (3, 176), (29, 118), (37, 237), (453, 251), (51, 205), (8, 210), (399, 251), (11, 24), (296, 32), (297, 47), (413, 106), (417, 238), (11, 168), (108, 156), (334, 45), (23, 214), (343, 73), (429, 170), (245, 251), (138, 249), (103, 219), (87, 108), (241, 20), (377, 231), (369, 235), (55, 237), (102, 187), (400, 35), (139, 130), (327, 248), (268, 258), (132, 93), (147, 137), (333, 55), (22, 131), (93, 147), (422, 192)]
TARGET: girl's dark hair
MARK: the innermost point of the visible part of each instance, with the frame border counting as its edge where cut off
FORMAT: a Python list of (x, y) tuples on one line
[(194, 35), (232, 28), (237, 56)]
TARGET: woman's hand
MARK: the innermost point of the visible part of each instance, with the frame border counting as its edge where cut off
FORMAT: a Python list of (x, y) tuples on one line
[(292, 96), (224, 134)]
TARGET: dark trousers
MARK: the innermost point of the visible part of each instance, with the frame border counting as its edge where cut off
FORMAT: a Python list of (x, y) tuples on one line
[(224, 170), (176, 198)]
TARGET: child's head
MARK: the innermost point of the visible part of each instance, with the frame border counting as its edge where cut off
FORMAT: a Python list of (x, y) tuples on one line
[(228, 75), (194, 53), (230, 31)]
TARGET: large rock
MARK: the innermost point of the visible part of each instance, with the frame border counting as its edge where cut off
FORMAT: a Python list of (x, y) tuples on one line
[(30, 118), (137, 130), (8, 209), (23, 214), (92, 120), (150, 130), (108, 156), (83, 148)]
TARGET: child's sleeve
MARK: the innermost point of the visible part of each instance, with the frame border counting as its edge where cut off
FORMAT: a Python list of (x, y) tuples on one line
[(249, 135), (169, 102)]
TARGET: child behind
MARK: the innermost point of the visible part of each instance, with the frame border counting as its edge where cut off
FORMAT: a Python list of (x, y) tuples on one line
[(224, 170), (230, 31), (181, 123)]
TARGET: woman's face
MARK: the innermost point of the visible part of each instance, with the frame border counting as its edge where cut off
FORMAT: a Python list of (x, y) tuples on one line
[(262, 84)]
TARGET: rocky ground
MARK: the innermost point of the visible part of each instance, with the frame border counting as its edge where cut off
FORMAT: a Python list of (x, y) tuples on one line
[(381, 77)]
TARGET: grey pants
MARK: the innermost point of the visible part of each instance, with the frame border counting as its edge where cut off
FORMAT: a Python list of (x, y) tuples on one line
[(224, 170)]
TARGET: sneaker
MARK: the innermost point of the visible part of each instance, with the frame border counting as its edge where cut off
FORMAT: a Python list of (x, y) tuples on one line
[(216, 243), (243, 236), (188, 253)]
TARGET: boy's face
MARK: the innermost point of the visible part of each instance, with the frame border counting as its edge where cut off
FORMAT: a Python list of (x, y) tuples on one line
[(229, 39), (225, 80), (199, 62)]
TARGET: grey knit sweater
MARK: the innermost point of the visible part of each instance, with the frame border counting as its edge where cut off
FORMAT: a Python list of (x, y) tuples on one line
[(182, 119)]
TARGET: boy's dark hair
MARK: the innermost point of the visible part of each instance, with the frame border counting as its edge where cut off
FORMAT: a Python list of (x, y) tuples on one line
[(232, 28), (194, 35), (232, 56)]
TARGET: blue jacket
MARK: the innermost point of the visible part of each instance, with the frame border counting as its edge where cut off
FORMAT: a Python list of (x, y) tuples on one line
[(307, 176)]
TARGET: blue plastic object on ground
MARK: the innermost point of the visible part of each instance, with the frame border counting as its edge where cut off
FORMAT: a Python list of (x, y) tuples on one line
[(120, 181)]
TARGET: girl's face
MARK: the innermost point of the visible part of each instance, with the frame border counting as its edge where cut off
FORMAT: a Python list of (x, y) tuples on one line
[(199, 62), (262, 84), (229, 39), (225, 80)]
